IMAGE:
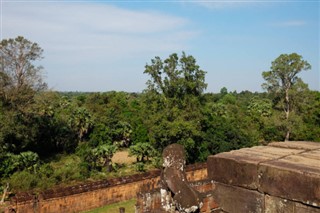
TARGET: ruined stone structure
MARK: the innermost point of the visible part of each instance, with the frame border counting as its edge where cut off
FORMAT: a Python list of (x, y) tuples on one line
[(174, 185), (92, 195), (281, 177)]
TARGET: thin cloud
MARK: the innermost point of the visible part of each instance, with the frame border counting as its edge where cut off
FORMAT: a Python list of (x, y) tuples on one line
[(294, 23), (85, 24), (212, 4)]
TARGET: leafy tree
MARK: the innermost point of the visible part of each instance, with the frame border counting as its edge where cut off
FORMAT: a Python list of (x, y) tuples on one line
[(11, 163), (19, 77), (28, 160), (172, 101), (142, 151), (104, 153), (260, 107), (121, 134), (81, 122), (101, 134), (282, 79), (176, 78)]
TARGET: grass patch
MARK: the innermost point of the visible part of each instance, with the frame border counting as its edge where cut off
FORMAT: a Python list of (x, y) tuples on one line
[(114, 208)]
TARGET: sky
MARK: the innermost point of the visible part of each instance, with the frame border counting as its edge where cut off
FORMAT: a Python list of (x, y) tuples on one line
[(105, 45)]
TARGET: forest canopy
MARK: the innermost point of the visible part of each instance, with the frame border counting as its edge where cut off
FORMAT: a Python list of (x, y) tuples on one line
[(40, 129)]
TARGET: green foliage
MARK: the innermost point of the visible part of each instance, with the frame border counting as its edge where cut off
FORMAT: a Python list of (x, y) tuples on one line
[(284, 84), (172, 102), (29, 161), (140, 167), (96, 158), (222, 135), (23, 181), (101, 134), (283, 73), (260, 107), (157, 161), (24, 161), (81, 122), (142, 151), (19, 77), (47, 175)]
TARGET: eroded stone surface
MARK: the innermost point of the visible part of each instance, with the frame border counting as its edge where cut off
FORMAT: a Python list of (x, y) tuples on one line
[(185, 198), (234, 199), (295, 177), (290, 170), (276, 204), (296, 145), (240, 167)]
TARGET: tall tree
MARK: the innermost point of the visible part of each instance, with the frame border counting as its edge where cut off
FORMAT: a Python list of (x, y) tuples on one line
[(19, 77), (173, 101), (282, 79)]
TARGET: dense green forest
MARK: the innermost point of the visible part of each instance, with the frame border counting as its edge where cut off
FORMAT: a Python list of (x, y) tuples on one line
[(49, 138)]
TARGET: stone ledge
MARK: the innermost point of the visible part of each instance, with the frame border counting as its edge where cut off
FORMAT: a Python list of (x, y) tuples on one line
[(237, 199), (295, 177), (304, 145), (290, 170), (240, 167), (276, 204)]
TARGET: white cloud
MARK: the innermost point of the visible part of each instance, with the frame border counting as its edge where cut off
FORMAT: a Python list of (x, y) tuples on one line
[(74, 25), (94, 36)]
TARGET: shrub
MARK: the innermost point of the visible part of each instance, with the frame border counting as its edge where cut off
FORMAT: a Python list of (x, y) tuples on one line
[(140, 167), (23, 181)]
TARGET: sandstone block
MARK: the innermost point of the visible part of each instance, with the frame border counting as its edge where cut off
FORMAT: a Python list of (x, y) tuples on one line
[(240, 167), (276, 204), (234, 199), (209, 204), (296, 145), (295, 177)]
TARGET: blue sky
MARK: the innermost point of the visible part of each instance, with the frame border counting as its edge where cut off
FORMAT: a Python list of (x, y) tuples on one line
[(104, 45)]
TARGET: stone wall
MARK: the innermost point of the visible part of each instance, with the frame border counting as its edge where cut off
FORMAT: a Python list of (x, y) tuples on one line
[(96, 194), (282, 177)]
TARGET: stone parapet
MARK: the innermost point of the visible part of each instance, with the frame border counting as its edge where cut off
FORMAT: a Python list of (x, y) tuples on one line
[(95, 194), (283, 172), (282, 177)]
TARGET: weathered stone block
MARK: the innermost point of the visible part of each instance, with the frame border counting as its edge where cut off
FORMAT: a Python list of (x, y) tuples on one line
[(203, 186), (240, 167), (296, 145), (234, 199), (295, 177), (209, 204), (276, 204)]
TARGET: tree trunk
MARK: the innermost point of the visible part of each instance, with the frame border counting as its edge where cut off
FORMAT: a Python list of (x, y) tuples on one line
[(4, 193), (108, 163), (287, 136), (287, 111)]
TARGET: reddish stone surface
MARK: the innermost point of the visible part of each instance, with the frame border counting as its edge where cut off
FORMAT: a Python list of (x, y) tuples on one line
[(209, 204), (150, 201), (95, 194)]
